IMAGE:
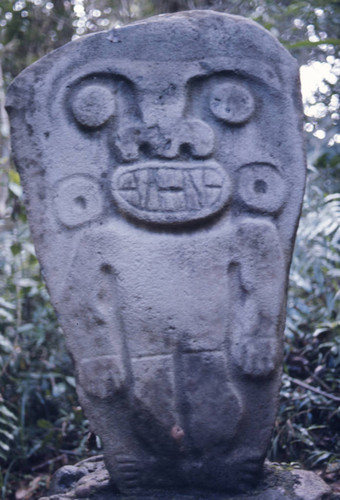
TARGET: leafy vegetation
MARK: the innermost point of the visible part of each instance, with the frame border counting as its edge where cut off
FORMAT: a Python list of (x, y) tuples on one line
[(308, 421), (41, 423)]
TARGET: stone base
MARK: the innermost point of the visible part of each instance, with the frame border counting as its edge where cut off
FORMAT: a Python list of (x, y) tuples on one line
[(90, 480)]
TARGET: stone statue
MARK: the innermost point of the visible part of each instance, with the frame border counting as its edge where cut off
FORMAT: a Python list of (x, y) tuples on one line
[(163, 170)]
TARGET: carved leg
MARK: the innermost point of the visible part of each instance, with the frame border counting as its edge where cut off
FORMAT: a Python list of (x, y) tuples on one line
[(209, 401)]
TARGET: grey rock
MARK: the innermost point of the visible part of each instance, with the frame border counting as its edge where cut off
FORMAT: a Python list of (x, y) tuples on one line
[(66, 477), (163, 170), (310, 486)]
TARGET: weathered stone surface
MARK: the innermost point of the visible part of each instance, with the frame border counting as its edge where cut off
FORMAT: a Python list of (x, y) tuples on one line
[(310, 486), (277, 483), (163, 170)]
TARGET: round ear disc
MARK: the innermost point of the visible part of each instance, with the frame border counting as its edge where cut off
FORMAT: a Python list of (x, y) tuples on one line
[(78, 199), (261, 187), (93, 105)]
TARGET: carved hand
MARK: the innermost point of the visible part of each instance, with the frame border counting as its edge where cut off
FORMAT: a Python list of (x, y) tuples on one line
[(102, 376), (256, 357)]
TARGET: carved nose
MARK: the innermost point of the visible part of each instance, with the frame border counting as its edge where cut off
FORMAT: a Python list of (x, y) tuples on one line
[(194, 137)]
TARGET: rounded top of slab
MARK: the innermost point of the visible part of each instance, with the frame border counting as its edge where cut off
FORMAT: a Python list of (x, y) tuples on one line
[(199, 34)]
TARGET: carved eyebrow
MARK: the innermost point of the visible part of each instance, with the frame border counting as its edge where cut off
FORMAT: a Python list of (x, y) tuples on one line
[(96, 77), (100, 70), (245, 68)]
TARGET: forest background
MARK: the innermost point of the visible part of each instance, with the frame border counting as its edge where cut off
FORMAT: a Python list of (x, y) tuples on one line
[(41, 424)]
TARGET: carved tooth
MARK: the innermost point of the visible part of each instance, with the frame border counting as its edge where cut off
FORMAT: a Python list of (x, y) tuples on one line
[(127, 181), (212, 195), (153, 202), (169, 178), (172, 201), (142, 177), (132, 197), (212, 178), (196, 180)]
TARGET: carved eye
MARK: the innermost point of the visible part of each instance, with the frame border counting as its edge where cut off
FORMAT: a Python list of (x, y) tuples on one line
[(261, 187), (232, 103), (93, 105)]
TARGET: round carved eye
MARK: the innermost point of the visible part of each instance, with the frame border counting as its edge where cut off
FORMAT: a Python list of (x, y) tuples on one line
[(262, 188), (93, 105), (232, 103), (78, 200)]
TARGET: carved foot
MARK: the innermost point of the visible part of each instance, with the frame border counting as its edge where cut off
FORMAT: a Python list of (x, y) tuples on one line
[(129, 473), (221, 474), (133, 475), (247, 475)]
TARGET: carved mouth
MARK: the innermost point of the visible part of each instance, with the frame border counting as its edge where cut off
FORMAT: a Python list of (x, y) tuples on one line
[(170, 193)]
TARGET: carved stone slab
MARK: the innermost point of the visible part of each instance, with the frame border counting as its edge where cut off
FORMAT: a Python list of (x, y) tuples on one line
[(163, 170)]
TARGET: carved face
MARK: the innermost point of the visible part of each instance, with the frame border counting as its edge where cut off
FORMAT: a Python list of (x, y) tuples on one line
[(182, 138), (168, 123)]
